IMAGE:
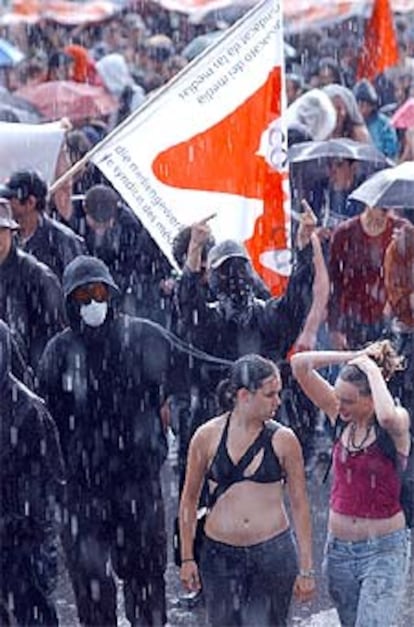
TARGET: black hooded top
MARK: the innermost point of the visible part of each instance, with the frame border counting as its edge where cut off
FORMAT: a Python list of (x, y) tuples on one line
[(105, 386)]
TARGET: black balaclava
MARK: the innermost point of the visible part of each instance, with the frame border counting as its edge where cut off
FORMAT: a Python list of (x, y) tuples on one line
[(232, 284)]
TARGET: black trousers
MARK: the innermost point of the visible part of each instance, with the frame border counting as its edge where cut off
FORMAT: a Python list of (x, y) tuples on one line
[(124, 535)]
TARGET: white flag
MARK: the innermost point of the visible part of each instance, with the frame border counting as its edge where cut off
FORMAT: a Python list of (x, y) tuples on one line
[(30, 147), (197, 147)]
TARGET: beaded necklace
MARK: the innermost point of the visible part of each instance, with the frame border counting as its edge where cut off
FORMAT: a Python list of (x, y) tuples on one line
[(352, 445)]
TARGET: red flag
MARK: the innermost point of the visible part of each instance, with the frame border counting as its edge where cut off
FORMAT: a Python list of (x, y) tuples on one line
[(380, 48)]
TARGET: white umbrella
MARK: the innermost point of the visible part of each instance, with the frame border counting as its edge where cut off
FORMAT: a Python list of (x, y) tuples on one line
[(389, 188)]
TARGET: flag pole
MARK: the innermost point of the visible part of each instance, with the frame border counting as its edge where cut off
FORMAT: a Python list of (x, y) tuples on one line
[(78, 165)]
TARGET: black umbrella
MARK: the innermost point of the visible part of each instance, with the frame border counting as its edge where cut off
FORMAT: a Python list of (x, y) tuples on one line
[(390, 188)]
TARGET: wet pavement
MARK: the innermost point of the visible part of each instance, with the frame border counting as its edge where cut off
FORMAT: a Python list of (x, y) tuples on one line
[(317, 613)]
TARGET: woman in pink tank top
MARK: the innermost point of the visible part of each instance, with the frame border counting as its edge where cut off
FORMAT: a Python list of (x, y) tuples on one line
[(368, 547)]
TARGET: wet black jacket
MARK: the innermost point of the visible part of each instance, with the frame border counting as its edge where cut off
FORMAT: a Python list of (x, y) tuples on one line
[(135, 262), (274, 325), (104, 387), (54, 244), (31, 302)]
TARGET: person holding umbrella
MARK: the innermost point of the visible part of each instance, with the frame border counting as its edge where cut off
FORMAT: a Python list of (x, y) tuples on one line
[(356, 265), (326, 172)]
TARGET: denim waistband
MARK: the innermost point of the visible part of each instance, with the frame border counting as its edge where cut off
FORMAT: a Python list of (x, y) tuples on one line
[(279, 537), (400, 534)]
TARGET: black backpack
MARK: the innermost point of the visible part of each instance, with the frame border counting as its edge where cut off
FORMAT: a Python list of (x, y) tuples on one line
[(386, 444)]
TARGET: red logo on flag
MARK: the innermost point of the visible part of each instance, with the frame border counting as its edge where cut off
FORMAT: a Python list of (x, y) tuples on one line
[(224, 159)]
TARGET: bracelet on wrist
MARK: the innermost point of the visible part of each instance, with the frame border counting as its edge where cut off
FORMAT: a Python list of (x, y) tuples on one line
[(307, 573), (188, 559)]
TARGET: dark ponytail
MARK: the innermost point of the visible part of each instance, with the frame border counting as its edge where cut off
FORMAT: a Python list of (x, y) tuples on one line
[(226, 395), (248, 372)]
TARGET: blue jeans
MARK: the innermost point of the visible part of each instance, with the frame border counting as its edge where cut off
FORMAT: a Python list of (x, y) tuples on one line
[(249, 585), (367, 579)]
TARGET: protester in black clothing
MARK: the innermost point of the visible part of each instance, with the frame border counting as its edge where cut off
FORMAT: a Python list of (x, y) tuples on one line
[(104, 380), (31, 299), (32, 477), (237, 322), (115, 235), (47, 239)]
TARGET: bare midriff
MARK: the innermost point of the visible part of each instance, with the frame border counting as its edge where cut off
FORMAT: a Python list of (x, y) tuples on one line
[(354, 529), (248, 513)]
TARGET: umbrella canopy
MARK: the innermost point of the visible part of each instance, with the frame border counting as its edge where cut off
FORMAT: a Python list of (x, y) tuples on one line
[(310, 160), (390, 188), (341, 148), (13, 108), (14, 114), (404, 116), (76, 101), (9, 54)]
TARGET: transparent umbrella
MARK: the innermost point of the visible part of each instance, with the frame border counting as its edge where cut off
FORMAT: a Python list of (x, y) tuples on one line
[(312, 158), (390, 188), (341, 148)]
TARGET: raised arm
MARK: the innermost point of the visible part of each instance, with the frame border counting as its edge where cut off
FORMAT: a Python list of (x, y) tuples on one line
[(390, 416), (320, 291), (305, 368)]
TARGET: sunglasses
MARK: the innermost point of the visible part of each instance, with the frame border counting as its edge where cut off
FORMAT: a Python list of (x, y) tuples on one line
[(98, 292)]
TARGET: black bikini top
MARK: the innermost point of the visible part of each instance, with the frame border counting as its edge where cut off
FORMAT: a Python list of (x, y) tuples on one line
[(225, 473)]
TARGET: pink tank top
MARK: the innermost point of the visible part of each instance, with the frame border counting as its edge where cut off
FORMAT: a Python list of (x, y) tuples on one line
[(365, 483)]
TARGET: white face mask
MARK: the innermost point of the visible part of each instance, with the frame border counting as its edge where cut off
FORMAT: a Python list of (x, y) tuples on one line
[(94, 314)]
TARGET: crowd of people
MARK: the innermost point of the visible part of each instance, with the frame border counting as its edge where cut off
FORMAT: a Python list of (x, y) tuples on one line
[(103, 349)]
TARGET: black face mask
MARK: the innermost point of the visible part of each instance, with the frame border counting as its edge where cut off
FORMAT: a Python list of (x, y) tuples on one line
[(232, 284)]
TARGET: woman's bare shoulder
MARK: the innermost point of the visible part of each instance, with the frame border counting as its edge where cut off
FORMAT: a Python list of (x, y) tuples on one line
[(284, 439), (211, 428)]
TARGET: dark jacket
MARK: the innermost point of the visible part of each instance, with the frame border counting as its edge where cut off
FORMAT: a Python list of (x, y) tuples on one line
[(104, 387), (136, 263), (31, 302), (54, 244), (274, 324)]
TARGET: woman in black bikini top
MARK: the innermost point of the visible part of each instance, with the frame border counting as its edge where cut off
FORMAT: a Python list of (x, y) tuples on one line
[(249, 562)]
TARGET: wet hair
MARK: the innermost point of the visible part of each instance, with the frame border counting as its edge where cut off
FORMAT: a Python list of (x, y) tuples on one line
[(78, 144), (248, 372), (102, 203), (384, 355)]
